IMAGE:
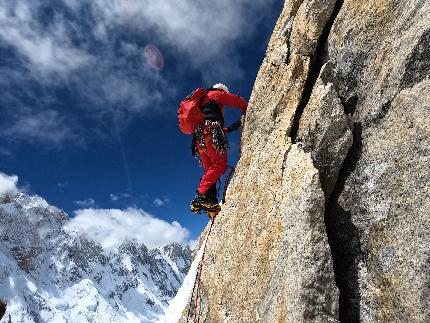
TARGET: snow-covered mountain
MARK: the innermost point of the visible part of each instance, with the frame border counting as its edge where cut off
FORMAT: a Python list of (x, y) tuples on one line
[(51, 274)]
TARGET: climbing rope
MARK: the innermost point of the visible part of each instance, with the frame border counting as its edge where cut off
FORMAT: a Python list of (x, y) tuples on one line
[(196, 286)]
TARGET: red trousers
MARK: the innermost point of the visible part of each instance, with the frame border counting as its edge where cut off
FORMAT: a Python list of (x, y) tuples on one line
[(214, 163)]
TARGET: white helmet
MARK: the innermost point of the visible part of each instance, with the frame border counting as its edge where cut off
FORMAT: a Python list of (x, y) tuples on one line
[(220, 86)]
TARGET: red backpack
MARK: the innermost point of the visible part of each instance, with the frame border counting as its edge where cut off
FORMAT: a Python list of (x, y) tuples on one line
[(189, 113)]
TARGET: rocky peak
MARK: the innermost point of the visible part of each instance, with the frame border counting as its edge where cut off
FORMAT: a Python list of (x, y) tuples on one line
[(178, 255), (49, 273)]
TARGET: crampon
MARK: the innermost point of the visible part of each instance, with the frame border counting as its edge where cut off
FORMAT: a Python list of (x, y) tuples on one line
[(211, 210)]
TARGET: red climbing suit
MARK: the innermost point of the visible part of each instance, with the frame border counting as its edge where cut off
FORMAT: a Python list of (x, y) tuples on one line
[(215, 163)]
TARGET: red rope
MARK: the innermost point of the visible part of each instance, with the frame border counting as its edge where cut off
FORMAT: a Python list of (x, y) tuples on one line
[(199, 274), (200, 309)]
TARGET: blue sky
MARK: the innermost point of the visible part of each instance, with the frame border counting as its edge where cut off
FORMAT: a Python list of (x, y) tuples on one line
[(87, 123)]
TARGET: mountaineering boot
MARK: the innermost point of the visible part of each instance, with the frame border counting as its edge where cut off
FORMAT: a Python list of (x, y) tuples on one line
[(199, 202), (202, 203), (212, 194)]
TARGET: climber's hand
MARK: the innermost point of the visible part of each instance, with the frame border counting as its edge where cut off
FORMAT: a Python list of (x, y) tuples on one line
[(234, 126)]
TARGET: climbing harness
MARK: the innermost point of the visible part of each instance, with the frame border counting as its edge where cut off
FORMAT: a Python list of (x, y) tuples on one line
[(196, 287), (219, 140)]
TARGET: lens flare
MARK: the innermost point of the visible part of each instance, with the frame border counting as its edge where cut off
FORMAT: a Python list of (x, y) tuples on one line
[(154, 57)]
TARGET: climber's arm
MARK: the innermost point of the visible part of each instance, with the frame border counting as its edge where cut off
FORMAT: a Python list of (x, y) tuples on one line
[(233, 100)]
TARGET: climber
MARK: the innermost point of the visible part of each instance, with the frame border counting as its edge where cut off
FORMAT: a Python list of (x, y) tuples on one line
[(209, 141), (2, 308)]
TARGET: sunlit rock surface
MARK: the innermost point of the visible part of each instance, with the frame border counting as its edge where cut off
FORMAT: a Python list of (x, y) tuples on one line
[(378, 216)]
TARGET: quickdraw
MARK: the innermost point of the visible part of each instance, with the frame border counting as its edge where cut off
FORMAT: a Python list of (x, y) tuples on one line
[(219, 140)]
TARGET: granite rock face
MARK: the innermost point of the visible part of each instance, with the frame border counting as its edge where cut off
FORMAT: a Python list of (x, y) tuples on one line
[(378, 216), (325, 131), (268, 257), (327, 216)]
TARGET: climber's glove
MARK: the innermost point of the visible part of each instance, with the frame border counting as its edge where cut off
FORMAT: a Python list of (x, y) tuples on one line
[(234, 126)]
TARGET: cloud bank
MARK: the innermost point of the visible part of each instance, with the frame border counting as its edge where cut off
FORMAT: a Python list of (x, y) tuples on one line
[(111, 227)]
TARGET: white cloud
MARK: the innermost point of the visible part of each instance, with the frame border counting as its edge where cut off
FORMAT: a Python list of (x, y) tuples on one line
[(42, 127), (122, 196), (87, 203), (158, 202), (201, 30), (44, 51), (111, 227), (63, 184), (8, 183)]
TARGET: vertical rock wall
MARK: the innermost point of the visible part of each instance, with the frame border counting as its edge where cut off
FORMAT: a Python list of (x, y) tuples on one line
[(378, 217), (327, 216), (268, 258)]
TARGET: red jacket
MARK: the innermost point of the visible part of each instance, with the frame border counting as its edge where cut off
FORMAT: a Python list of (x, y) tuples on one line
[(221, 98)]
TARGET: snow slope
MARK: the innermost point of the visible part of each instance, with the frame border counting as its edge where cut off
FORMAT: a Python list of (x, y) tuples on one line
[(50, 274), (174, 311)]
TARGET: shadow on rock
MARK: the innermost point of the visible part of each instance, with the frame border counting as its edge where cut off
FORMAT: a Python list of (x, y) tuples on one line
[(344, 238)]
